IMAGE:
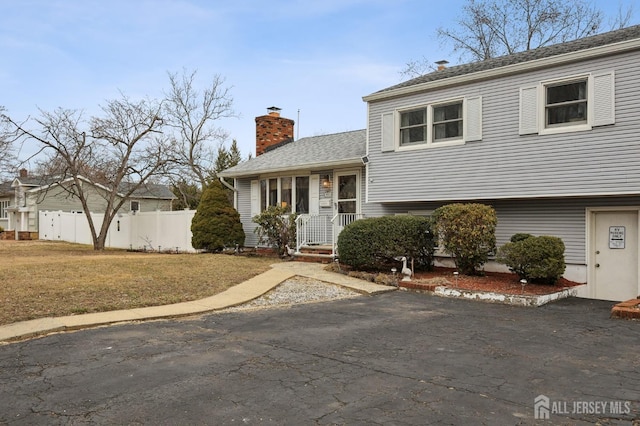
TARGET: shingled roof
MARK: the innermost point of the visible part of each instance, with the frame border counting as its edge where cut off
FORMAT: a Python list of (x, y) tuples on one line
[(598, 40), (307, 153)]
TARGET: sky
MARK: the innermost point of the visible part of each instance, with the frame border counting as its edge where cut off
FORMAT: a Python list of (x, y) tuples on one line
[(314, 59)]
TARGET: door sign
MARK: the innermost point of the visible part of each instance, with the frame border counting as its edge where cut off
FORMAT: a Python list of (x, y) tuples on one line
[(616, 237)]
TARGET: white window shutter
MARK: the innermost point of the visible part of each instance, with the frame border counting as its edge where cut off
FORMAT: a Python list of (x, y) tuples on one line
[(604, 99), (388, 132), (255, 197), (314, 194), (473, 119), (528, 110)]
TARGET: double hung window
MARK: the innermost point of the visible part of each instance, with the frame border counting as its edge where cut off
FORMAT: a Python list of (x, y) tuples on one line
[(566, 104), (448, 122), (572, 104)]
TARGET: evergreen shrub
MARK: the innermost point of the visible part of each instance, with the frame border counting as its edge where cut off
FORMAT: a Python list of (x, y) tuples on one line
[(467, 233), (374, 243), (535, 259), (216, 224)]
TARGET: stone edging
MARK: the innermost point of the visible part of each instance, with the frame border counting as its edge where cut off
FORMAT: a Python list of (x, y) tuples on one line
[(492, 297)]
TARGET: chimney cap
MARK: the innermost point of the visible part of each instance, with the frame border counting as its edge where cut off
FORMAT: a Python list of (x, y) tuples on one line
[(442, 64), (274, 109)]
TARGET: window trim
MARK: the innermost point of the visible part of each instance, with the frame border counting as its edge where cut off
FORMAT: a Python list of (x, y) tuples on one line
[(430, 141), (543, 128)]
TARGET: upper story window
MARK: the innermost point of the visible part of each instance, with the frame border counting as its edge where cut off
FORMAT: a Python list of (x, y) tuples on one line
[(413, 127), (444, 123), (566, 104), (447, 122), (569, 104)]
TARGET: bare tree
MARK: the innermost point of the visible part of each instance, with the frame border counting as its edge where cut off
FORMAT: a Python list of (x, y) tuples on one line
[(193, 116), (492, 28), (118, 153), (7, 137)]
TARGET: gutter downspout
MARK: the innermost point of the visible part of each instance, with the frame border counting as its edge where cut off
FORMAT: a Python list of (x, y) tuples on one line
[(233, 188)]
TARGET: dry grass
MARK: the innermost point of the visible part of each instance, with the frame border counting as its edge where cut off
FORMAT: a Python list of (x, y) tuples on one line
[(43, 278)]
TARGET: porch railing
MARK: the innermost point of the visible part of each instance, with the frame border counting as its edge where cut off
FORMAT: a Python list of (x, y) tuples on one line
[(312, 230), (338, 222), (322, 229)]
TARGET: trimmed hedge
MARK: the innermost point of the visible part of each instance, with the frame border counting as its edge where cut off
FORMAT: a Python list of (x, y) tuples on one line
[(467, 233), (535, 259), (373, 243)]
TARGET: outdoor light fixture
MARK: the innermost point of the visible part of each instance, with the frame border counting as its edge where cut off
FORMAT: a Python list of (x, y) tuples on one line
[(326, 181)]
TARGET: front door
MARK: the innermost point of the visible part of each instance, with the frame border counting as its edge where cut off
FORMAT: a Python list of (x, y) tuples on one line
[(614, 255), (346, 199)]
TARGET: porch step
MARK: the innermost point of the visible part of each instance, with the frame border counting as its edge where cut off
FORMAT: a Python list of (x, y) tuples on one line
[(318, 249), (317, 254)]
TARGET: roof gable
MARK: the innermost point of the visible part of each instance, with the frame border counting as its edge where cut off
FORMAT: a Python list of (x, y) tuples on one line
[(305, 154)]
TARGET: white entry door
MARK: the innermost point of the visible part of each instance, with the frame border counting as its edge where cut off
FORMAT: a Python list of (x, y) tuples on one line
[(346, 198), (614, 255)]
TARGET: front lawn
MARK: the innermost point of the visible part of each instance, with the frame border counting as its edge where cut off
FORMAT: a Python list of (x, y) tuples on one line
[(45, 278)]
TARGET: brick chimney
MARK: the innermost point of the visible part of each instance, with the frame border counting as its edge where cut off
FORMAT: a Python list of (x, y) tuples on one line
[(271, 129), (24, 173)]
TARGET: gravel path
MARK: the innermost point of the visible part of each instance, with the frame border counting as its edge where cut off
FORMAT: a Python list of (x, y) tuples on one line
[(297, 290)]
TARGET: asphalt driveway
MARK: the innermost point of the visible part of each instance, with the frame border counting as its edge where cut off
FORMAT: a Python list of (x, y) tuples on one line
[(398, 358)]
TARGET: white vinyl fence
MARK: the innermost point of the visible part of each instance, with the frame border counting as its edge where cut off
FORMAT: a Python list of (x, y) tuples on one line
[(158, 230)]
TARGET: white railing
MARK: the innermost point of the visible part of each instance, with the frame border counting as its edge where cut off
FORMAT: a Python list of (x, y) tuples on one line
[(338, 222), (312, 230), (322, 229)]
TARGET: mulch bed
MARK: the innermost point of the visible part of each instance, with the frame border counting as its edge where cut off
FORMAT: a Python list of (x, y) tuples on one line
[(492, 282)]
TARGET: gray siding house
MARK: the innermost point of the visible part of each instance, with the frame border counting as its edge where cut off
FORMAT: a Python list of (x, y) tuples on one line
[(22, 198), (321, 178), (549, 137)]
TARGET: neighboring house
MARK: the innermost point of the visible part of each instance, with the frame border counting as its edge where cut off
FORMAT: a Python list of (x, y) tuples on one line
[(549, 137), (6, 194), (22, 198)]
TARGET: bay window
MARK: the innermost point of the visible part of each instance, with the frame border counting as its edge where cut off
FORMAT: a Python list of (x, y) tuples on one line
[(289, 192)]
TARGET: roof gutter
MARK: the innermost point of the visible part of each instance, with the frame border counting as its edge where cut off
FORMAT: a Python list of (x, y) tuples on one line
[(594, 52), (227, 184), (313, 166)]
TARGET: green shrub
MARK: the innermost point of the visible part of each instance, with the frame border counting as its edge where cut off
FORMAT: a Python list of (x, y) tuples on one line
[(536, 259), (519, 237), (276, 227), (216, 223), (1, 229), (467, 233), (373, 243)]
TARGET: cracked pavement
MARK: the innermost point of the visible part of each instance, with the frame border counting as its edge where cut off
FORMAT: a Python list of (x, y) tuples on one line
[(399, 358)]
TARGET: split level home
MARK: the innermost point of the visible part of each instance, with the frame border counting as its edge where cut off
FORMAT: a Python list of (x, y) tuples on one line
[(549, 137), (22, 198)]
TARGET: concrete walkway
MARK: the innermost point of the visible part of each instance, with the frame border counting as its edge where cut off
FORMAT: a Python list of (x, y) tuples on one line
[(236, 295)]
